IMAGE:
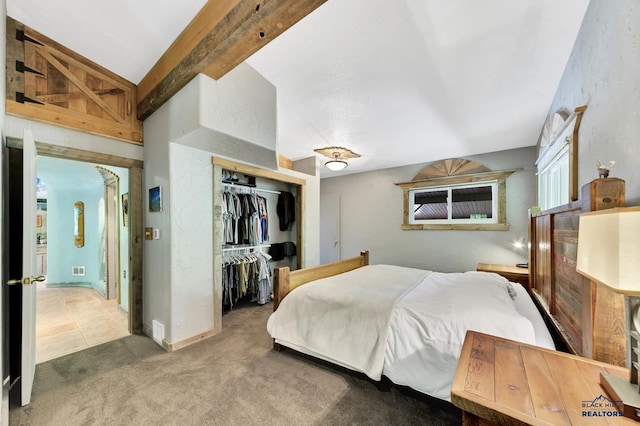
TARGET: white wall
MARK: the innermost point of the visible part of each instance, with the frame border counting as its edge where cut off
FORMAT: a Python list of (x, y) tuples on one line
[(240, 105), (603, 72), (245, 130), (372, 211), (178, 290), (61, 136), (156, 260), (191, 238)]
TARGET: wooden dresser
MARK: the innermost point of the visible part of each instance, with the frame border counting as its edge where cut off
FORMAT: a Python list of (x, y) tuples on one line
[(500, 382)]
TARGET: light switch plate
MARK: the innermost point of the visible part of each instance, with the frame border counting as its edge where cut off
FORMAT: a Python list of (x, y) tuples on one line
[(156, 233)]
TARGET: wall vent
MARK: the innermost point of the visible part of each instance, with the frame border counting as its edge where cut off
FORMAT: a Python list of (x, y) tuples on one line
[(158, 331), (77, 270)]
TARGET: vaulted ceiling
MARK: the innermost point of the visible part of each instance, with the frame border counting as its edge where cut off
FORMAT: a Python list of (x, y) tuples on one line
[(402, 82)]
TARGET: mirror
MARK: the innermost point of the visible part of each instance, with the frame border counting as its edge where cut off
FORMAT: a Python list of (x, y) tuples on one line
[(78, 224)]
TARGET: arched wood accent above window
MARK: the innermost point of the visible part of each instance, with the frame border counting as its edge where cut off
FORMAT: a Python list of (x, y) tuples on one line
[(456, 194), (450, 167)]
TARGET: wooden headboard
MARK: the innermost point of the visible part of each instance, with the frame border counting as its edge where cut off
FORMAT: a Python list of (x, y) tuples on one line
[(587, 317)]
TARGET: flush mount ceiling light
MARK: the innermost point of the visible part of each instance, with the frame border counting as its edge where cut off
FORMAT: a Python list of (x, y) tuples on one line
[(338, 156), (336, 164)]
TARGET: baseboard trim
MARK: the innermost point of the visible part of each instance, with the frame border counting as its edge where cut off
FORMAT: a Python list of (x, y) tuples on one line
[(84, 284), (174, 346), (70, 284)]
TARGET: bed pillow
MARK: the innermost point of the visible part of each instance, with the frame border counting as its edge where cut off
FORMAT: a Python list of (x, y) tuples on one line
[(429, 325), (448, 304), (491, 278)]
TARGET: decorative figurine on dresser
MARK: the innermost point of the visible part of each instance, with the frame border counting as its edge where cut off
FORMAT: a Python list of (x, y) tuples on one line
[(603, 169)]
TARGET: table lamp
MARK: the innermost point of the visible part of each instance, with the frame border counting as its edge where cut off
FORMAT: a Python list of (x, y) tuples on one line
[(609, 253)]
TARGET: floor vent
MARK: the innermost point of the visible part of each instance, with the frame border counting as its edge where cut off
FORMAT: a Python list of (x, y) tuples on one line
[(77, 270)]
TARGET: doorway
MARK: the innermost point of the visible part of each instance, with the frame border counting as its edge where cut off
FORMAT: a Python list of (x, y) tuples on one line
[(134, 234), (78, 307), (110, 244), (330, 241)]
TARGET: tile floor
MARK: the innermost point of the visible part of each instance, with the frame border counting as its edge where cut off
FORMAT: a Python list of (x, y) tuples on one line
[(74, 318)]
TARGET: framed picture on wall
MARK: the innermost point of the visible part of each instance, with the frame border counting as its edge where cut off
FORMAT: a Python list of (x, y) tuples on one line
[(125, 209), (155, 199)]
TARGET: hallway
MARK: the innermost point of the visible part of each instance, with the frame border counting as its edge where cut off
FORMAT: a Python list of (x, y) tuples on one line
[(70, 319)]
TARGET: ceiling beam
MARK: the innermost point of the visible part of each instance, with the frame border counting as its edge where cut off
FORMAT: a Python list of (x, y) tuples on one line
[(221, 36)]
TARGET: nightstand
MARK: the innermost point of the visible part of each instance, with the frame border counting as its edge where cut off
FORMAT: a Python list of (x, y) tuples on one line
[(500, 381), (512, 273)]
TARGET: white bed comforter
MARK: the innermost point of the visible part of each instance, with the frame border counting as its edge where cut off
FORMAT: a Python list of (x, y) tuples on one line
[(428, 327), (409, 322), (344, 319)]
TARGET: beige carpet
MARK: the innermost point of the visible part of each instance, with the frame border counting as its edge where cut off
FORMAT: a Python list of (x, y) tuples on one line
[(234, 378)]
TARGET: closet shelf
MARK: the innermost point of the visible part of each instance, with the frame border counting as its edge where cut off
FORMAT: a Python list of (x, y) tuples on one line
[(245, 247), (248, 185), (236, 183)]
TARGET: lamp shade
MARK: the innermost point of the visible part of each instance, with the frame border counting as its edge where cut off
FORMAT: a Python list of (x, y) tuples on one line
[(609, 248)]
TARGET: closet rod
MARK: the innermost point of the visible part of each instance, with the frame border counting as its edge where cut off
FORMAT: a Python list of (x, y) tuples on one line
[(268, 191), (252, 187), (245, 247)]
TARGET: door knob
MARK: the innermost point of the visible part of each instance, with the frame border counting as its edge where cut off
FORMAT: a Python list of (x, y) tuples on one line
[(27, 280)]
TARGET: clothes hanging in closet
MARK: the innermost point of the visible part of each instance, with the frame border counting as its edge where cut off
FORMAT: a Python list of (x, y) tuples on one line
[(245, 218), (245, 276), (286, 209), (279, 251)]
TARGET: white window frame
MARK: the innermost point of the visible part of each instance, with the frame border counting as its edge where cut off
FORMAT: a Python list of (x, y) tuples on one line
[(553, 180), (472, 179), (557, 164), (450, 220)]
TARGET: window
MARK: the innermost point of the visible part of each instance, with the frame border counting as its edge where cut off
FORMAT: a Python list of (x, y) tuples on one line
[(456, 204), (471, 201), (553, 178), (557, 161)]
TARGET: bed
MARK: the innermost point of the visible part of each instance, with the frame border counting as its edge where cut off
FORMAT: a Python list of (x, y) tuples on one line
[(405, 324)]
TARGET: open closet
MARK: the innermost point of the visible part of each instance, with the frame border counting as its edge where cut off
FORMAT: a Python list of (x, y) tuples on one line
[(258, 219)]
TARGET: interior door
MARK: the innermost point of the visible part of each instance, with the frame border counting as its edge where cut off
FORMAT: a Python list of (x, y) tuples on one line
[(28, 266), (330, 249), (22, 264), (6, 378)]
